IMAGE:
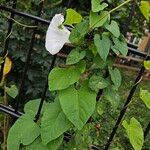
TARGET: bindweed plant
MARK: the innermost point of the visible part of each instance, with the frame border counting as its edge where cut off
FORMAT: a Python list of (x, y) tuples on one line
[(96, 40)]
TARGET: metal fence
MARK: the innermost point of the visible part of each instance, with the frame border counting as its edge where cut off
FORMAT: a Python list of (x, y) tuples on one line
[(14, 111)]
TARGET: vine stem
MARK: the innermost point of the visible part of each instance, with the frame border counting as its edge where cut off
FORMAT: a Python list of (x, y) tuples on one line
[(21, 24), (111, 11)]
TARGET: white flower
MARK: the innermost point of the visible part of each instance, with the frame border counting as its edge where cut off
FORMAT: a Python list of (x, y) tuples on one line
[(57, 35)]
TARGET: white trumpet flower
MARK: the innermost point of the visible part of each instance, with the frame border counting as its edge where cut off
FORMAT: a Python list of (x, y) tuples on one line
[(57, 35)]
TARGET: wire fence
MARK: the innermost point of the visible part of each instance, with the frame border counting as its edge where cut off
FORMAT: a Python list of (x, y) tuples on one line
[(37, 21)]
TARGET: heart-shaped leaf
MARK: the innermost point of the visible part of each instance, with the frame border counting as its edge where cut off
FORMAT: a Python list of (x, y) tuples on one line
[(103, 45), (96, 6), (54, 122), (78, 105), (20, 133), (145, 96), (135, 133), (72, 17), (97, 20), (113, 28), (75, 56), (120, 46), (115, 76)]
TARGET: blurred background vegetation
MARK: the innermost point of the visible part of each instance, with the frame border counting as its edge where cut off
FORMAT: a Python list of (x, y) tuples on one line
[(41, 60)]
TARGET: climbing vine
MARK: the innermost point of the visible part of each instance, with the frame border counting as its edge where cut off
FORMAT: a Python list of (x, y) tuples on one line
[(95, 41)]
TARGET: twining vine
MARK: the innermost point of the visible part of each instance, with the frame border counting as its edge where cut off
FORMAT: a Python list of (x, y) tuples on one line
[(96, 40)]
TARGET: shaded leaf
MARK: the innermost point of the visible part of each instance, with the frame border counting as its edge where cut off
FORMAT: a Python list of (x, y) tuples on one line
[(78, 33), (112, 96), (120, 46), (96, 83), (115, 76), (12, 91)]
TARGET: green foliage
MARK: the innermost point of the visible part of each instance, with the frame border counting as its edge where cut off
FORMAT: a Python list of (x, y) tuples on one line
[(38, 145), (97, 20), (147, 64), (135, 133), (12, 91), (78, 33), (61, 78), (78, 105), (115, 77), (24, 131), (97, 82), (72, 17), (96, 6), (75, 56), (113, 28), (54, 122), (75, 95), (103, 45), (145, 9), (145, 96), (120, 46), (112, 96)]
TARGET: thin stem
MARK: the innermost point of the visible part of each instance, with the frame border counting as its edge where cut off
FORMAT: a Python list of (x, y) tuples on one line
[(111, 11), (21, 24)]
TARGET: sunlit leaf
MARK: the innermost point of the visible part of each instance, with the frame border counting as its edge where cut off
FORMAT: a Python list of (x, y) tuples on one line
[(145, 96), (135, 133), (72, 17)]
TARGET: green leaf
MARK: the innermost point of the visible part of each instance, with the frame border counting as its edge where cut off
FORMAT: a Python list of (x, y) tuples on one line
[(78, 33), (96, 6), (81, 66), (147, 64), (78, 105), (120, 46), (96, 83), (99, 63), (145, 96), (75, 56), (145, 9), (38, 145), (115, 76), (54, 122), (20, 133), (61, 78), (135, 133), (113, 28), (112, 96), (32, 106), (72, 17), (12, 91), (97, 20), (103, 45)]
